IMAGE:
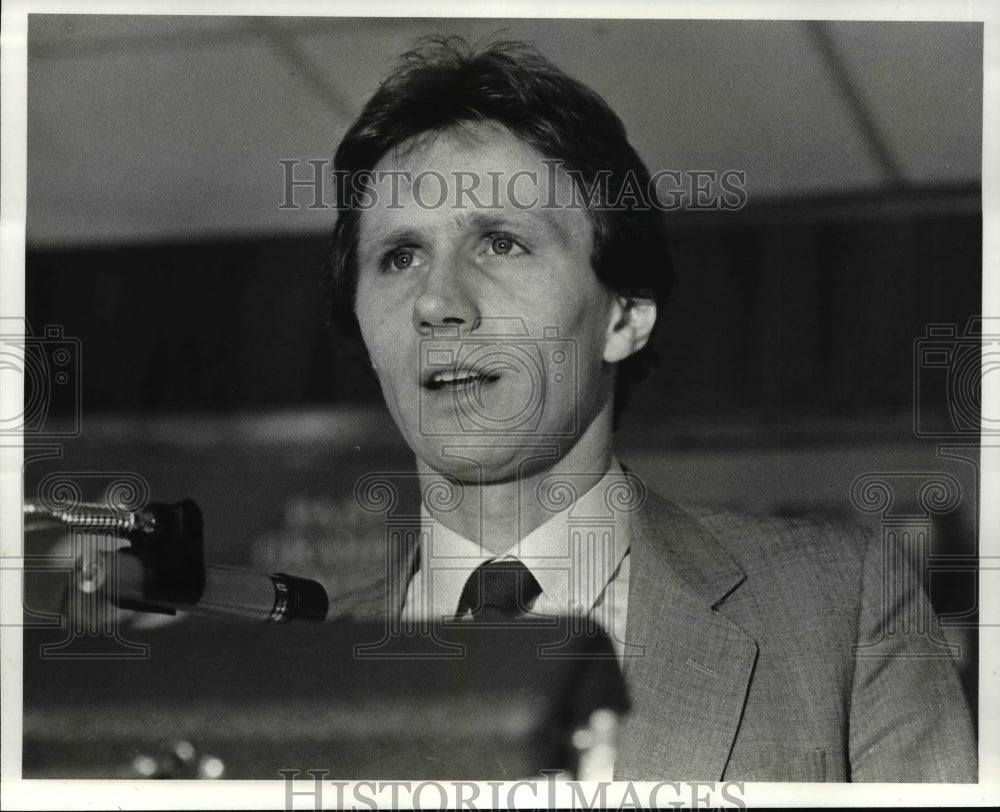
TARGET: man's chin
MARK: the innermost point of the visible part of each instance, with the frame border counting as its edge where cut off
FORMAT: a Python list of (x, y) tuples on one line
[(490, 459)]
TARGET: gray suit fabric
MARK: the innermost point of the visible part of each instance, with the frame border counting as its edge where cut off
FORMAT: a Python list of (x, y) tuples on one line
[(766, 650), (777, 650)]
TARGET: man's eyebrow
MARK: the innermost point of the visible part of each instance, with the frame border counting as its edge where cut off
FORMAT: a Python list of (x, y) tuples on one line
[(471, 220), (486, 221), (393, 237), (530, 221)]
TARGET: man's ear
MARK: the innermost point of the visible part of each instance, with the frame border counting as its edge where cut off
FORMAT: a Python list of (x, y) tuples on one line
[(631, 323)]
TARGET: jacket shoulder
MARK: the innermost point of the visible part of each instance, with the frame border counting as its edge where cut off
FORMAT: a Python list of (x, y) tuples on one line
[(762, 545), (796, 573)]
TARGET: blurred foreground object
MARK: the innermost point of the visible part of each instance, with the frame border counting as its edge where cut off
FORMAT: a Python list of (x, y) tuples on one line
[(447, 702)]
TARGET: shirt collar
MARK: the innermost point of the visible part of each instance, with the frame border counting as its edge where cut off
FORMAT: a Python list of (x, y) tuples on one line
[(573, 555)]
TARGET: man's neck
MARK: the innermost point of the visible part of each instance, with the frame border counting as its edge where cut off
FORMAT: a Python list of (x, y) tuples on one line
[(497, 515)]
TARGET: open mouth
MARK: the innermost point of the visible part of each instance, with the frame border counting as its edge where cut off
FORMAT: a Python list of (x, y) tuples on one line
[(454, 380)]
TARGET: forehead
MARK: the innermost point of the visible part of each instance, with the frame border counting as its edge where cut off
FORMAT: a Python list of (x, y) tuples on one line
[(479, 147), (473, 173)]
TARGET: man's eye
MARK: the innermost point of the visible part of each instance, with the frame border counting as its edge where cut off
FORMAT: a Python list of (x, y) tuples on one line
[(503, 245), (400, 259)]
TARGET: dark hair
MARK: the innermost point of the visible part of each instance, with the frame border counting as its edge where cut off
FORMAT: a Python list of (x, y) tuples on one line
[(444, 82)]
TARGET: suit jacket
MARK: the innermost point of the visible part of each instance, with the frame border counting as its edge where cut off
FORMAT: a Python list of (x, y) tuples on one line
[(767, 650), (779, 650)]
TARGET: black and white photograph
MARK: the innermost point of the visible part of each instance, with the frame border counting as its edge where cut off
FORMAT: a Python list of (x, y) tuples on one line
[(482, 411)]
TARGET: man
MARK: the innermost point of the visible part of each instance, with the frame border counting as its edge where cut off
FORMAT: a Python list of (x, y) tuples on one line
[(497, 252)]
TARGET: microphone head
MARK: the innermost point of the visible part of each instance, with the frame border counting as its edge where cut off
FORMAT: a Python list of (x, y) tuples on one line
[(304, 599)]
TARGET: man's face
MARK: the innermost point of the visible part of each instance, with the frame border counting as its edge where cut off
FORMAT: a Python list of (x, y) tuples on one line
[(483, 318)]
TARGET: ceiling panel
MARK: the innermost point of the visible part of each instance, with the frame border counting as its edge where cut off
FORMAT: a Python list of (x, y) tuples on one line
[(151, 128), (922, 84)]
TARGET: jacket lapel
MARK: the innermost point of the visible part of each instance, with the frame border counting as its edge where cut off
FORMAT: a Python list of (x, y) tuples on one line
[(688, 682)]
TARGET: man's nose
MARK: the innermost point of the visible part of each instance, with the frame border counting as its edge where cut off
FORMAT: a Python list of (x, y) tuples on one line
[(445, 301)]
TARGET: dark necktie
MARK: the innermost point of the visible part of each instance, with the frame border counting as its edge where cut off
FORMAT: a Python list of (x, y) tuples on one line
[(499, 591)]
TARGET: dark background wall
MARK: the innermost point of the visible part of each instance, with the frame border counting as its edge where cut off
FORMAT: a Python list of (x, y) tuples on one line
[(775, 316)]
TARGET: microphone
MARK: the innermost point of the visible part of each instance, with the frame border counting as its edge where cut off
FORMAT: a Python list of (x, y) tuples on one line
[(228, 592), (164, 570)]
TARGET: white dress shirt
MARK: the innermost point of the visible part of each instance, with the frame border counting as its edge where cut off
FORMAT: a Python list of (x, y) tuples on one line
[(579, 557)]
